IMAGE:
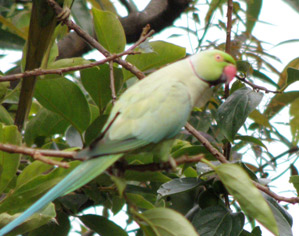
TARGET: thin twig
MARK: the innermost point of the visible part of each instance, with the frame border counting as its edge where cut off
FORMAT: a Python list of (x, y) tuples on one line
[(60, 71), (40, 157), (90, 40), (206, 143), (112, 82), (279, 198), (165, 165), (31, 151), (222, 159), (93, 144), (227, 146), (254, 86), (229, 26)]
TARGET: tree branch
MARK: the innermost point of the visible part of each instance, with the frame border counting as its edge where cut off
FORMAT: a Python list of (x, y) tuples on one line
[(164, 165), (254, 86), (60, 71), (39, 154), (90, 40), (277, 197), (158, 13), (222, 159)]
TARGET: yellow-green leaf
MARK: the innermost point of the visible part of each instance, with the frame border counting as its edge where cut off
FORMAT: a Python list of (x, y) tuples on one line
[(249, 197), (165, 222), (109, 31)]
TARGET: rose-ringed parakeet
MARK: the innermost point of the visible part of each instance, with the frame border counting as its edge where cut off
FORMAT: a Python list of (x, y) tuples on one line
[(150, 111)]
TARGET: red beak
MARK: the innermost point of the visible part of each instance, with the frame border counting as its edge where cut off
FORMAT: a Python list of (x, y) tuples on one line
[(230, 72)]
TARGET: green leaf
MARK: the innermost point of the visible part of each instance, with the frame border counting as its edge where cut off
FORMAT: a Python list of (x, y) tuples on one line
[(73, 137), (178, 185), (9, 163), (232, 114), (217, 220), (45, 123), (252, 140), (60, 227), (249, 197), (295, 181), (65, 98), (67, 62), (96, 81), (244, 67), (25, 194), (280, 101), (3, 89), (73, 202), (5, 117), (31, 171), (94, 130), (259, 118), (146, 176), (252, 14), (166, 222), (163, 54), (102, 225), (214, 4), (282, 217), (294, 122), (264, 78), (191, 151), (36, 220), (82, 15), (109, 31), (139, 201), (120, 184), (284, 76), (293, 75), (11, 41)]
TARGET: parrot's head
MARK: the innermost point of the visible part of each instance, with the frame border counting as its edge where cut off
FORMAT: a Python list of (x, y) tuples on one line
[(213, 66)]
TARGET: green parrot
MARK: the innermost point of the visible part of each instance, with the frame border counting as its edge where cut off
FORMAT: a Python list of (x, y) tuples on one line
[(41, 37), (149, 112)]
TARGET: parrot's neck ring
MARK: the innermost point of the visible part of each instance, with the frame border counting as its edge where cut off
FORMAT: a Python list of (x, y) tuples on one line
[(211, 83)]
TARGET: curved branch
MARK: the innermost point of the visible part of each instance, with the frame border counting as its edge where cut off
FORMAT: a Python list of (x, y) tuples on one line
[(158, 13)]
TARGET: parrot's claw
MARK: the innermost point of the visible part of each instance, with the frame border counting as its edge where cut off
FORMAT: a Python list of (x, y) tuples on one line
[(64, 14)]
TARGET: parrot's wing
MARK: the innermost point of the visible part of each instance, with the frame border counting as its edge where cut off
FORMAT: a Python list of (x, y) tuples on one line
[(143, 116)]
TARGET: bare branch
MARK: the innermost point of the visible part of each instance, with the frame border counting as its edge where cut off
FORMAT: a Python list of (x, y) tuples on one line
[(165, 165), (277, 197), (90, 40), (254, 86), (229, 26), (206, 143), (31, 151), (60, 71), (222, 159)]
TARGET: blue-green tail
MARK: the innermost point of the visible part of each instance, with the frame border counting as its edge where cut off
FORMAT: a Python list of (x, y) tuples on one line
[(81, 175)]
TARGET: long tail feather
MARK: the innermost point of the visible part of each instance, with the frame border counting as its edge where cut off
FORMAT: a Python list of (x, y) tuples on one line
[(81, 175)]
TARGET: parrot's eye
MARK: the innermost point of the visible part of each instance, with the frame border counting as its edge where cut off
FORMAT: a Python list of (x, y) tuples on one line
[(218, 57)]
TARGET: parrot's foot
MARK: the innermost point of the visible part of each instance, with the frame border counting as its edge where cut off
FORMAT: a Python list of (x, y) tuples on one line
[(64, 14)]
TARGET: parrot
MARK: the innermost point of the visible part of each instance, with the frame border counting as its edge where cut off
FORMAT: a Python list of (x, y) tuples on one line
[(151, 111)]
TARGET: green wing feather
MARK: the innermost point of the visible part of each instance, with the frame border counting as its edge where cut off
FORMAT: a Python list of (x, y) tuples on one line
[(159, 113)]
